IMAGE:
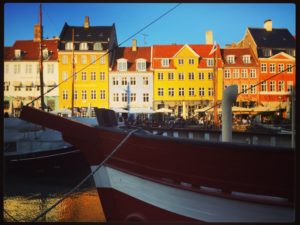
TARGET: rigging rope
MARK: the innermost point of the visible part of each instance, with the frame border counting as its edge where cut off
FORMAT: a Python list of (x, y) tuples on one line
[(87, 177)]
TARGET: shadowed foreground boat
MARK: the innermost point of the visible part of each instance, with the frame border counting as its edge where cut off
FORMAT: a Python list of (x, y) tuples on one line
[(155, 178)]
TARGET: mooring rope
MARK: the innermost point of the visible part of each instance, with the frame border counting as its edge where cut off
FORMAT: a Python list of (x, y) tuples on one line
[(87, 177), (4, 210)]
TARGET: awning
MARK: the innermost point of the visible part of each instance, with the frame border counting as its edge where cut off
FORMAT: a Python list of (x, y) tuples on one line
[(28, 83), (141, 110), (164, 110), (37, 83), (17, 83), (50, 83), (207, 108), (120, 110)]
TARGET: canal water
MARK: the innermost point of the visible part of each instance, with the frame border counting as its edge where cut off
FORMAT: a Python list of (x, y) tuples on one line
[(27, 195)]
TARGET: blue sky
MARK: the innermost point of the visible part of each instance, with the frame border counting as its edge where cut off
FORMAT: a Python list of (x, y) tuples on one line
[(186, 24)]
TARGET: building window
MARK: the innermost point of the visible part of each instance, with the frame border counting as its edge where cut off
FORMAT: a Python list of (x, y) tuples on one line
[(75, 95), (171, 76), (93, 94), (83, 94), (160, 92), (230, 59), (181, 76), (291, 52), (93, 75), (83, 75), (64, 59), (227, 73), (133, 97), (289, 68), (253, 73), (115, 97), (64, 75), (115, 81), (210, 91), (201, 91), (210, 75), (264, 86), (267, 52), (17, 88), (180, 61), (210, 62), (28, 88), (236, 73), (281, 85), (50, 68), (65, 94), (191, 76), (102, 75), (69, 46), (280, 68), (244, 88), (6, 87), (191, 91), (83, 59), (290, 86), (191, 61), (83, 46), (246, 59), (171, 92), (102, 94), (124, 81), (132, 81), (252, 89), (93, 59), (272, 86), (102, 60), (160, 76), (98, 46), (272, 68), (124, 97), (181, 91), (28, 68), (244, 73), (145, 81), (122, 65), (201, 76), (17, 68), (141, 65), (263, 67), (165, 62), (145, 97)]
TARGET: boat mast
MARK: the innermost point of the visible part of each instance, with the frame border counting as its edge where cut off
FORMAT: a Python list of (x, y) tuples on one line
[(215, 81), (73, 74), (41, 61)]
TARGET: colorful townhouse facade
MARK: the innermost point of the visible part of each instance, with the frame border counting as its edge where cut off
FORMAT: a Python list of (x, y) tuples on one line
[(131, 80), (91, 48), (22, 73), (184, 77), (241, 68), (275, 50)]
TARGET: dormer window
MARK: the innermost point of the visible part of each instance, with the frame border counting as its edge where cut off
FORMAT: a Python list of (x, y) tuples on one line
[(267, 52), (210, 62), (165, 62), (17, 53), (291, 52), (122, 64), (45, 53), (230, 59), (69, 46), (141, 65), (83, 46), (246, 59), (98, 46)]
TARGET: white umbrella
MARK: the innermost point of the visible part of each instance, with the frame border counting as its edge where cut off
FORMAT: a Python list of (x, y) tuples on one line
[(141, 110), (207, 108), (120, 110), (164, 110)]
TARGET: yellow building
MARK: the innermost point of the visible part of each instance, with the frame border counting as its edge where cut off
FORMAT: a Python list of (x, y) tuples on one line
[(92, 59), (183, 77)]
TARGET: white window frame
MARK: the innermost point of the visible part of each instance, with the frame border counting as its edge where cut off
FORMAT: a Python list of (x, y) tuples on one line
[(181, 76), (83, 46), (272, 86), (191, 91), (122, 64), (102, 75), (160, 75), (181, 92), (272, 68), (201, 76), (280, 67), (245, 73), (145, 97), (83, 59), (230, 59), (93, 94), (246, 59), (160, 92), (201, 91), (252, 73), (171, 92), (165, 62), (141, 65), (102, 94), (227, 73), (281, 84), (210, 62), (264, 68), (69, 46)]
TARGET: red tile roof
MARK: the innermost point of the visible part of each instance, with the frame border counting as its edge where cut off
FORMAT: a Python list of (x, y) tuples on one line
[(132, 56), (30, 49), (238, 53)]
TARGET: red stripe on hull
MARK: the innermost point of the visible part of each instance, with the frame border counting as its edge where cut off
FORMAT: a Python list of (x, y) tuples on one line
[(118, 206)]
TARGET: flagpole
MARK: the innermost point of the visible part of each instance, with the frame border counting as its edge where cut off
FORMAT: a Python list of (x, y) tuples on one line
[(215, 82)]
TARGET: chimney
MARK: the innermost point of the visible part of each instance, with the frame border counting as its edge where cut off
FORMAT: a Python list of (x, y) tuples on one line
[(268, 25), (209, 37), (86, 22), (37, 33), (134, 42)]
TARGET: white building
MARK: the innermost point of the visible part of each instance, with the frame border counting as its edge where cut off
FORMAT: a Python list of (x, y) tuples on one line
[(22, 74), (131, 74)]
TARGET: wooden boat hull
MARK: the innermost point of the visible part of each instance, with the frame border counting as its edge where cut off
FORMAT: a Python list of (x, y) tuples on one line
[(215, 179)]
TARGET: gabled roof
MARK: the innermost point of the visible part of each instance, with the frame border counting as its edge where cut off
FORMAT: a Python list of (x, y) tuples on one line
[(239, 53), (132, 56), (282, 55), (92, 33), (30, 49), (277, 38)]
